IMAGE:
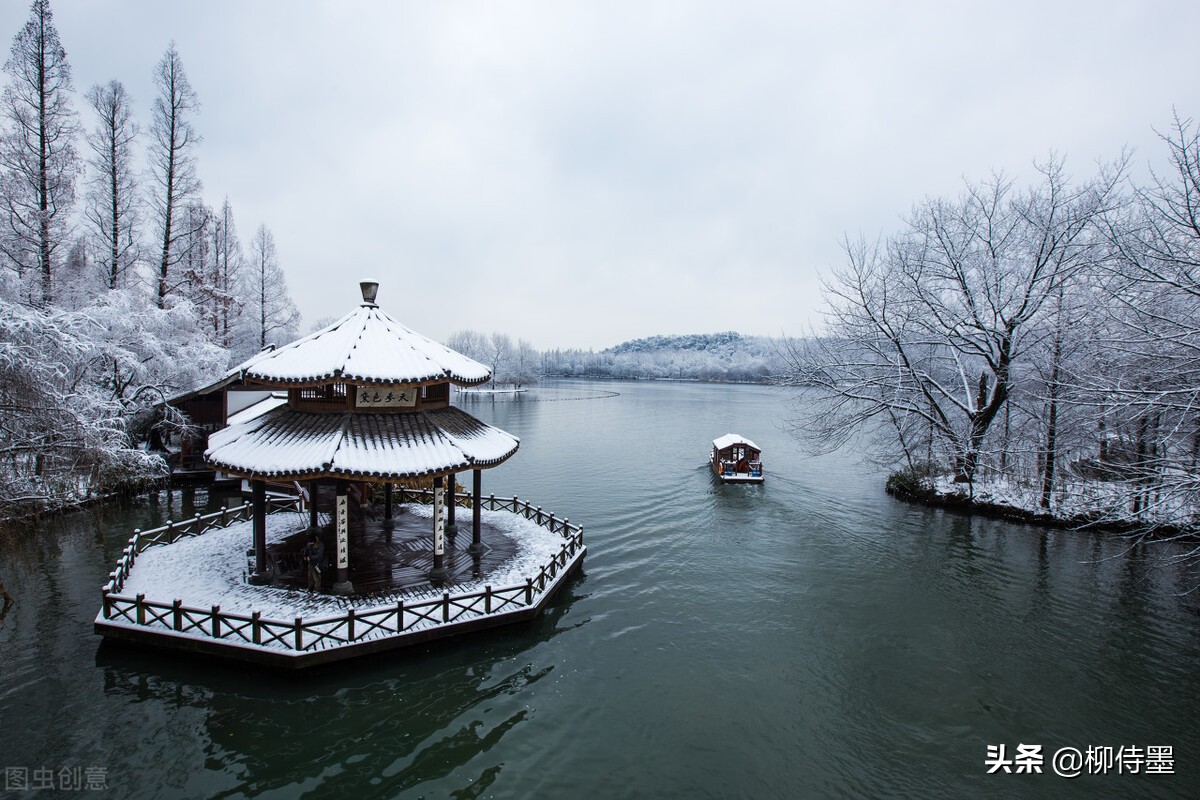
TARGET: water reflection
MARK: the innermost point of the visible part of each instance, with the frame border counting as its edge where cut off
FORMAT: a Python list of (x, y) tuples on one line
[(391, 722)]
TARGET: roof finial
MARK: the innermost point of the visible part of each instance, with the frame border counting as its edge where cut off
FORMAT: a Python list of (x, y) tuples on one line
[(369, 290)]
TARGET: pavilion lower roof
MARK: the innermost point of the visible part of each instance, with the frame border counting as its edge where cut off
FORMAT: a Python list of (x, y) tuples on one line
[(291, 444)]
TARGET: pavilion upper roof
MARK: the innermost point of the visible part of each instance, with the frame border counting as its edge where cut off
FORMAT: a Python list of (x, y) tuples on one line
[(367, 346)]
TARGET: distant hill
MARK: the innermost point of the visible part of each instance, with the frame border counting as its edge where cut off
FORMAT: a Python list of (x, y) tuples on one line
[(723, 356), (726, 341)]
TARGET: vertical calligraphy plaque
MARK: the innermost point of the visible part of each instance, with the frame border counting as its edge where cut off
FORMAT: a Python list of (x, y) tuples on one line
[(343, 531), (439, 521)]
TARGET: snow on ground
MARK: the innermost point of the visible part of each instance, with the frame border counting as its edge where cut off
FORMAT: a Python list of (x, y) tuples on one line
[(1076, 499), (209, 569)]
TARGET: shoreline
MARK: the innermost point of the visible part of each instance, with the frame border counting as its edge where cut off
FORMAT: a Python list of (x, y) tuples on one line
[(38, 515), (967, 506)]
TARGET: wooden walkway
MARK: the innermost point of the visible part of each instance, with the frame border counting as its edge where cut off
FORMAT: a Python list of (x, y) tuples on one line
[(386, 562)]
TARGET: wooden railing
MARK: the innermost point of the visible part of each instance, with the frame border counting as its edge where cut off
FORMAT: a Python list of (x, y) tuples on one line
[(300, 635), (173, 531)]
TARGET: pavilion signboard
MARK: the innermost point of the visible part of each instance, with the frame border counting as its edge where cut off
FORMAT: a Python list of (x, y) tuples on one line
[(375, 397)]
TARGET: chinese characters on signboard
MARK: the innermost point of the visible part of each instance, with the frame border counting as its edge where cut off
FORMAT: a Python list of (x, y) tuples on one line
[(376, 397), (439, 521), (343, 545)]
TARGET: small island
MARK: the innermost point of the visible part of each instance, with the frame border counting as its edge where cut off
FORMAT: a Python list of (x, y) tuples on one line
[(367, 408)]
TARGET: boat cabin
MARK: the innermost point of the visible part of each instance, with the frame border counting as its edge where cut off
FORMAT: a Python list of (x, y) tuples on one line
[(736, 459)]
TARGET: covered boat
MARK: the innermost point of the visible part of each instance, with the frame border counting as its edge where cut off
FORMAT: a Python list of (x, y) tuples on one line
[(736, 459)]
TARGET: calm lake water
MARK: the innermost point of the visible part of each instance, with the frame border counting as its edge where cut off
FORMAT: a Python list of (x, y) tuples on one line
[(810, 637)]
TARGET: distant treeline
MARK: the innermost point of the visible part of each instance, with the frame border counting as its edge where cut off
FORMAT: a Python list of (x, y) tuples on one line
[(725, 356)]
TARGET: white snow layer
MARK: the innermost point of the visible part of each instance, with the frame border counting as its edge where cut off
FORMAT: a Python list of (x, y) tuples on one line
[(730, 439), (287, 442), (208, 570), (369, 346)]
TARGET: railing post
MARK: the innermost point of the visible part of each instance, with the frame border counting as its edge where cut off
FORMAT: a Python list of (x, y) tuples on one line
[(350, 626), (299, 634), (216, 619), (256, 627), (552, 523), (140, 603), (529, 591), (399, 616), (224, 516), (491, 502), (105, 606), (487, 599), (445, 606), (177, 615), (137, 535)]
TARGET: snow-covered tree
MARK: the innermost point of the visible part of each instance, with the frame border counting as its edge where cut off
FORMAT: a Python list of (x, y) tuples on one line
[(1148, 388), (930, 330), (227, 265), (499, 356), (471, 344), (270, 315), (199, 268), (63, 434), (525, 366), (113, 203), (142, 353), (37, 155), (172, 167)]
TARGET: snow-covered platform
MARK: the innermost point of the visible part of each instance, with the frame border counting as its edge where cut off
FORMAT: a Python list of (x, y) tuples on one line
[(184, 585)]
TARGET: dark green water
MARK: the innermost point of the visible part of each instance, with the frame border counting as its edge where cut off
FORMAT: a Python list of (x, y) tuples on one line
[(807, 638)]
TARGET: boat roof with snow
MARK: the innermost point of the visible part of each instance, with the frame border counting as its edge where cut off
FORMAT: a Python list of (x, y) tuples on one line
[(730, 439)]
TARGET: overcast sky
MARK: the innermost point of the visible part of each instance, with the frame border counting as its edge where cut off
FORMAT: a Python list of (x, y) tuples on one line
[(582, 173)]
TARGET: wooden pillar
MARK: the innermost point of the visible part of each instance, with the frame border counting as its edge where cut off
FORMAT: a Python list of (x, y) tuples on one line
[(439, 572), (313, 488), (388, 520), (259, 517), (341, 515), (476, 497), (451, 526)]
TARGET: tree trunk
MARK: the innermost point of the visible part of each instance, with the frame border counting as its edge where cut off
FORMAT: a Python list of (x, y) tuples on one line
[(1051, 453), (43, 173), (1051, 445)]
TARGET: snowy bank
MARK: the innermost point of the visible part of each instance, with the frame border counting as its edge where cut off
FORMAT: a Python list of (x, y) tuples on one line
[(1094, 504)]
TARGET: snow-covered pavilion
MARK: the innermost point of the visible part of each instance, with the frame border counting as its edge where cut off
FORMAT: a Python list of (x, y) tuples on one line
[(368, 401)]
